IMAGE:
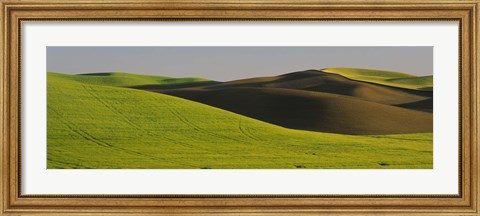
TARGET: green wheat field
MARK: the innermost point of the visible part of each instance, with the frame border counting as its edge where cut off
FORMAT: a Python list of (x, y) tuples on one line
[(334, 118)]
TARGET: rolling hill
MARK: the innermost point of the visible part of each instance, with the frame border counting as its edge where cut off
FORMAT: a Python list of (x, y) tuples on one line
[(314, 111), (126, 79), (388, 78), (318, 101), (94, 124)]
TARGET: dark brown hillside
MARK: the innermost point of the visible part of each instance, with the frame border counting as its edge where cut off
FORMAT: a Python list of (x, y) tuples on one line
[(423, 105), (313, 111), (313, 80), (318, 81), (317, 101)]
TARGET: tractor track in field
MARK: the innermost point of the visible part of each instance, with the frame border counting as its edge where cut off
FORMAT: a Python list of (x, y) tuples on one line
[(91, 138), (73, 165), (180, 117), (91, 91), (101, 143), (245, 131)]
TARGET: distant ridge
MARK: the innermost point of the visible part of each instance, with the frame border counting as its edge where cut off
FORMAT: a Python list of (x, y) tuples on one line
[(389, 78), (126, 79)]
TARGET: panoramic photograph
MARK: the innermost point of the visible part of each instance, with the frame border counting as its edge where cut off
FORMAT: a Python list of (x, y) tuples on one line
[(240, 107)]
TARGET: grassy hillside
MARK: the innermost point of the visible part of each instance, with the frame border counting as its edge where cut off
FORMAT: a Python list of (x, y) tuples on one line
[(389, 78), (420, 83), (94, 126), (126, 79)]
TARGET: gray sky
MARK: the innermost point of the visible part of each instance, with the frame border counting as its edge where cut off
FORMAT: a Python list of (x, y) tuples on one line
[(230, 63)]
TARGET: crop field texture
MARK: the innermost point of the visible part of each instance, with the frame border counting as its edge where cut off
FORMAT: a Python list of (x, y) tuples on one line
[(100, 122)]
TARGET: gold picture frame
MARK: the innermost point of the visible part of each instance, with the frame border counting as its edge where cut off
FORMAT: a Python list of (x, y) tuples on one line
[(15, 12)]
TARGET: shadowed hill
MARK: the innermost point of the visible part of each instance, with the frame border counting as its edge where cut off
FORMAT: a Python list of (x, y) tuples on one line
[(176, 85), (318, 81), (313, 80), (317, 101), (314, 111), (423, 105)]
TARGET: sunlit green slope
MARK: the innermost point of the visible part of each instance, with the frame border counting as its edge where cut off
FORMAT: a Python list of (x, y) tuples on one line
[(126, 79), (389, 78), (94, 126)]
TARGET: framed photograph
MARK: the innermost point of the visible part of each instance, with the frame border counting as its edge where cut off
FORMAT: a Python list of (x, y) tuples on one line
[(239, 107)]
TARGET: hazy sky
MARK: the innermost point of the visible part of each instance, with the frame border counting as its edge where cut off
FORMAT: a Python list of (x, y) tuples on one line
[(230, 63)]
